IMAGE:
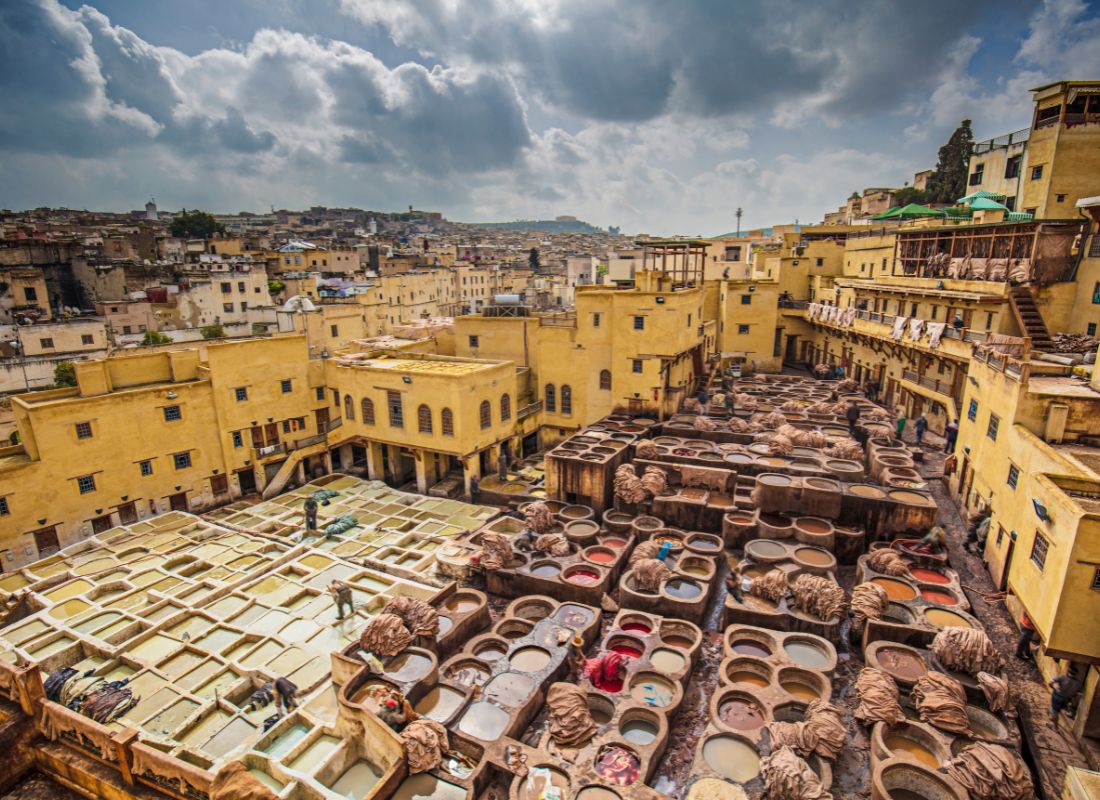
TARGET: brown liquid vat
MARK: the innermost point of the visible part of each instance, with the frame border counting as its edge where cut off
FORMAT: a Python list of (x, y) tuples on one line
[(902, 779)]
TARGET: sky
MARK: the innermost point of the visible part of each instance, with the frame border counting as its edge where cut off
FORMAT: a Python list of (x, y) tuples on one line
[(657, 117)]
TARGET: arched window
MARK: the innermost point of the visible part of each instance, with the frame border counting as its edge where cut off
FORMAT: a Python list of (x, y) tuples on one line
[(551, 398), (505, 408), (486, 413), (566, 399), (424, 419), (605, 379), (349, 408), (447, 422), (367, 407)]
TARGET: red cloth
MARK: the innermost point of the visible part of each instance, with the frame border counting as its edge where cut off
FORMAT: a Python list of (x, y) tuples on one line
[(606, 671)]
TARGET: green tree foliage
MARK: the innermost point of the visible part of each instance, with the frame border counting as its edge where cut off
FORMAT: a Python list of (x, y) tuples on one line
[(195, 225), (948, 182), (903, 197), (64, 374), (155, 337), (215, 331), (533, 259), (275, 286)]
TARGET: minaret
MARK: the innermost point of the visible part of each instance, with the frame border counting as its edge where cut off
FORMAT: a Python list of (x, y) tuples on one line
[(151, 209)]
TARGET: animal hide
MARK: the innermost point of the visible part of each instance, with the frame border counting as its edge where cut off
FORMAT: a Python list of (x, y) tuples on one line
[(941, 701), (425, 743), (966, 650), (385, 635), (417, 615), (818, 596), (991, 772), (571, 723), (878, 698)]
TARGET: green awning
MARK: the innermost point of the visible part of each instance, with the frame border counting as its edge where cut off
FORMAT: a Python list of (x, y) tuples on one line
[(985, 204), (910, 211), (977, 194)]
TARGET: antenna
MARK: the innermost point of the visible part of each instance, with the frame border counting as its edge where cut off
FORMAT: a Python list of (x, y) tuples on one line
[(738, 215)]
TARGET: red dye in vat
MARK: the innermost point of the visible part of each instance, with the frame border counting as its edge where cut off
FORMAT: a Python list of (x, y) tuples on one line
[(637, 627), (600, 557), (928, 575), (936, 596), (741, 714), (616, 543), (617, 765), (584, 577), (627, 650)]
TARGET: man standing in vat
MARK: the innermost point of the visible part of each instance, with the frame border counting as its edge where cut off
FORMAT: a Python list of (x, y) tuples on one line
[(341, 595), (852, 413), (310, 507)]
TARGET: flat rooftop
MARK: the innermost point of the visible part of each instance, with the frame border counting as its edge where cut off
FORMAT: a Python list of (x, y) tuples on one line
[(425, 366)]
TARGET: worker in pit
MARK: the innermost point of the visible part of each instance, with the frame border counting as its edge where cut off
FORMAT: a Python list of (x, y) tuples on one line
[(310, 508), (341, 595), (934, 542)]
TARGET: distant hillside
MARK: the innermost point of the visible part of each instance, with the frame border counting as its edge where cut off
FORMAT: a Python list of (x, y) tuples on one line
[(543, 226)]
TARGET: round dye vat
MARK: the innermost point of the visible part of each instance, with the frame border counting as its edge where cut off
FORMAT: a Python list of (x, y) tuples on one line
[(902, 663), (636, 627), (651, 690), (928, 575), (750, 647), (862, 490), (709, 545), (613, 542), (484, 721), (741, 714), (681, 642), (491, 651), (509, 688), (806, 654), (901, 745), (540, 779), (667, 661), (813, 557), (529, 659), (895, 589), (440, 703), (749, 678), (617, 765), (731, 758), (942, 618), (763, 548), (445, 624), (813, 525), (572, 616), (638, 731), (462, 604), (627, 649), (546, 570), (408, 667), (582, 576), (599, 555), (597, 793), (939, 597), (683, 589), (800, 691)]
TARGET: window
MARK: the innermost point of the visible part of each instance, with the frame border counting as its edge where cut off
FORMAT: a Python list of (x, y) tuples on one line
[(994, 424), (244, 306), (474, 341), (551, 398), (5, 510), (1047, 116), (820, 262), (334, 330), (238, 440), (505, 407), (1012, 167), (1037, 172), (1095, 574), (46, 343), (83, 430), (639, 323), (172, 413), (972, 412), (146, 467), (742, 328), (182, 460), (636, 366), (227, 287), (1091, 329), (605, 379), (30, 294), (286, 386), (366, 408), (127, 329), (485, 414), (1039, 550), (240, 286), (976, 176), (241, 393), (397, 413), (733, 253), (566, 399), (227, 308), (349, 407), (424, 419), (86, 484), (596, 320), (1013, 476), (86, 338), (447, 422), (319, 392), (746, 299)]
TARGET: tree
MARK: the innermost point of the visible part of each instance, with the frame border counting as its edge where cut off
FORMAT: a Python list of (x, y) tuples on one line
[(274, 287), (533, 259), (903, 197), (155, 337), (948, 183), (64, 374), (195, 225), (215, 331)]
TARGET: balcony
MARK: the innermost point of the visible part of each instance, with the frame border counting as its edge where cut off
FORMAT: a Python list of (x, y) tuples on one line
[(269, 450), (527, 410)]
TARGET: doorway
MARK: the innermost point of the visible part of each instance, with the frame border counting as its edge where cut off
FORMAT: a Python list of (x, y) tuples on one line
[(1002, 584), (45, 540), (127, 514), (101, 524), (246, 478), (178, 502), (321, 417)]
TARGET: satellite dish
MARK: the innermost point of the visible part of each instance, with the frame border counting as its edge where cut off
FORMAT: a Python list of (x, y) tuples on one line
[(299, 302)]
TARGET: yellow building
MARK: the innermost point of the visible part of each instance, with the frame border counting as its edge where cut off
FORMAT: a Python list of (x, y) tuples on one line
[(25, 295)]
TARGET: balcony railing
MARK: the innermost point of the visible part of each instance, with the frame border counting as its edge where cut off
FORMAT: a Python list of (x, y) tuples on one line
[(529, 409), (936, 385), (793, 303), (269, 450), (307, 441), (881, 317), (334, 424)]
